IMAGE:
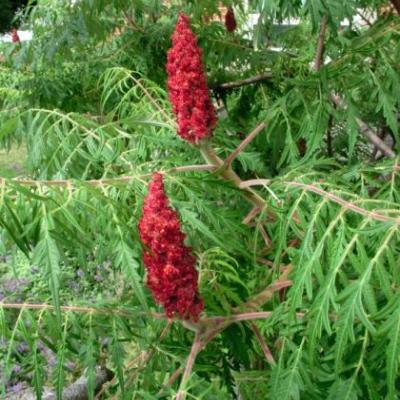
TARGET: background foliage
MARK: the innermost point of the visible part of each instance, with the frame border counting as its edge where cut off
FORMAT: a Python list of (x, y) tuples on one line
[(87, 99)]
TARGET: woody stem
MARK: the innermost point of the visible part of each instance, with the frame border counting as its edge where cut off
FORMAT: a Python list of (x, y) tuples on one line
[(196, 347), (227, 173)]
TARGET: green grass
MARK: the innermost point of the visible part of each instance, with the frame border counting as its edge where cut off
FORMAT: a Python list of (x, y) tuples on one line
[(12, 162)]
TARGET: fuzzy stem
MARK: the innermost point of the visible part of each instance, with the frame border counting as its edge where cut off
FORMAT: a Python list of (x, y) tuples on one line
[(267, 352), (336, 199), (227, 173), (367, 131), (244, 143), (321, 44), (108, 181), (242, 82), (261, 298), (174, 376), (196, 347)]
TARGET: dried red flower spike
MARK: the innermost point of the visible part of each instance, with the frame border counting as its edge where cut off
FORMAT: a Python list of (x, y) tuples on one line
[(171, 273), (14, 36), (187, 85), (230, 20)]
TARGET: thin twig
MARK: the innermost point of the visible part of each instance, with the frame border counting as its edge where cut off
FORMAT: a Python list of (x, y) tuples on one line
[(367, 131), (317, 66), (243, 144), (251, 215), (265, 236), (329, 143), (227, 173), (396, 5), (243, 82), (261, 298), (154, 102), (108, 181), (362, 126), (196, 348), (364, 18), (267, 352), (132, 22), (320, 44), (346, 204), (174, 376)]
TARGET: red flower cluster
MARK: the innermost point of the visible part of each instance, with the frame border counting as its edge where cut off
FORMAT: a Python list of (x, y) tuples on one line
[(171, 274), (187, 85), (230, 20), (14, 36)]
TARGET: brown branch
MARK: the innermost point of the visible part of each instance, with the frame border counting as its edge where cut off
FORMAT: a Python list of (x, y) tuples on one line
[(346, 204), (367, 131), (243, 144), (243, 82), (251, 215), (363, 127), (396, 5), (196, 348), (107, 181), (227, 173), (317, 66), (174, 376), (238, 317), (154, 102), (267, 352), (320, 44), (132, 23), (261, 298), (265, 236), (329, 143), (364, 18)]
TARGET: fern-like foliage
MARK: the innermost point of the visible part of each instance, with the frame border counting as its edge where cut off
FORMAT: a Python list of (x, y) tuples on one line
[(301, 296)]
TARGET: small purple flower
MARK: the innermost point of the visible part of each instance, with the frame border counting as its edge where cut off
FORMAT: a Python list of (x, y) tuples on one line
[(17, 387), (41, 346), (16, 369), (51, 359), (15, 285), (22, 347), (80, 273), (98, 278)]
